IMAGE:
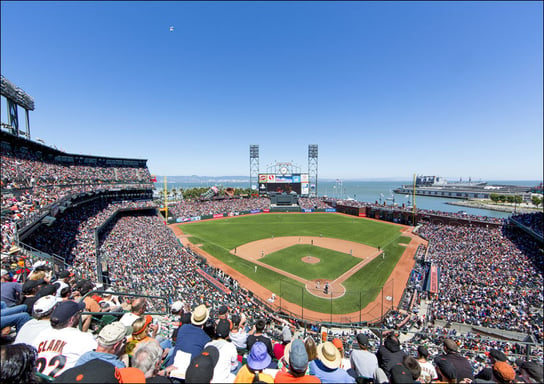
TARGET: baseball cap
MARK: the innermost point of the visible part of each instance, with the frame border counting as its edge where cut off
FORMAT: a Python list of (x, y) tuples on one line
[(4, 272), (65, 310), (338, 343), (258, 357), (401, 374), (286, 334), (200, 370), (504, 371), (223, 328), (446, 368), (93, 371), (497, 355), (44, 305), (222, 310), (362, 339), (177, 306), (29, 285), (298, 357), (236, 319), (113, 333)]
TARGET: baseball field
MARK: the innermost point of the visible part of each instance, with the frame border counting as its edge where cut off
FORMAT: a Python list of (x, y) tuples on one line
[(323, 262)]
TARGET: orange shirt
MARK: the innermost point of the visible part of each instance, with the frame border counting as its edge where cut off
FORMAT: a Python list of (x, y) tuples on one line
[(287, 377), (245, 376)]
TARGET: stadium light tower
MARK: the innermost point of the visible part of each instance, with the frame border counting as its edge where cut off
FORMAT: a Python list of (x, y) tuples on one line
[(312, 169), (253, 166)]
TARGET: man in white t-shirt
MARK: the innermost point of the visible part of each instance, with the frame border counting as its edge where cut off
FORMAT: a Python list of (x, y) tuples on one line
[(238, 334), (60, 348), (42, 310), (228, 356), (139, 306), (428, 372), (363, 362)]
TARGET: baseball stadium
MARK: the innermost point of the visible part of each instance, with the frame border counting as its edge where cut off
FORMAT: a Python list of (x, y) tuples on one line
[(94, 233)]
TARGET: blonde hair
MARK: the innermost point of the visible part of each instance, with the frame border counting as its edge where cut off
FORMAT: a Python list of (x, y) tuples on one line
[(36, 275), (139, 328)]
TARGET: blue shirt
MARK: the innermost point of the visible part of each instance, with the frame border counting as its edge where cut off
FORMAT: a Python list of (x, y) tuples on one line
[(108, 357), (328, 375), (11, 293), (190, 339)]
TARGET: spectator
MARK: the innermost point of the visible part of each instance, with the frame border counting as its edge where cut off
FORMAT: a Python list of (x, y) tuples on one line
[(463, 369), (142, 331), (428, 372), (147, 358), (311, 348), (100, 371), (279, 348), (390, 354), (43, 308), (201, 368), (64, 343), (238, 334), (257, 360), (14, 316), (18, 364), (327, 365), (139, 306), (227, 365), (297, 358), (258, 335), (111, 343), (11, 290), (191, 338), (363, 362)]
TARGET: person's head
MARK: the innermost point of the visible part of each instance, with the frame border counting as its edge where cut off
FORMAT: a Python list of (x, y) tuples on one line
[(200, 315), (329, 355), (140, 326), (286, 334), (222, 312), (298, 358), (66, 314), (532, 372), (422, 352), (147, 357), (177, 308), (139, 306), (412, 365), (31, 287), (503, 372), (222, 330), (339, 345), (258, 358), (43, 307), (18, 363), (311, 348), (259, 325), (363, 341), (200, 370), (235, 321), (496, 355), (5, 275), (450, 346), (445, 369), (113, 338)]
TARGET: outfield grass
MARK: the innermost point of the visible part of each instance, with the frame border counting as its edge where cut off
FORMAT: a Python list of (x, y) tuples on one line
[(218, 237)]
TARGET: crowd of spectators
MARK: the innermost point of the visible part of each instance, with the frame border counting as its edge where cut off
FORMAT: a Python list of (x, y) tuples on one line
[(194, 208), (486, 279)]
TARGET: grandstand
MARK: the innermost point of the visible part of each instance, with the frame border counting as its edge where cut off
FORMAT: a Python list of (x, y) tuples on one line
[(477, 281)]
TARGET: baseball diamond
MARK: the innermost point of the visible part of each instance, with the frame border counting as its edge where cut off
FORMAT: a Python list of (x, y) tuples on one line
[(293, 270)]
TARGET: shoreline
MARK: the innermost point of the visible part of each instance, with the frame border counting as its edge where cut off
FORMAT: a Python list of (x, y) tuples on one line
[(495, 207)]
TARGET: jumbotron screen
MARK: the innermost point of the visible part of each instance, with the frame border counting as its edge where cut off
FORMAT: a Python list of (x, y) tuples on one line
[(298, 182)]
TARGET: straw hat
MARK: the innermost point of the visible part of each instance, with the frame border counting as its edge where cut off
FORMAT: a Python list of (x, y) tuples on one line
[(200, 315), (329, 355)]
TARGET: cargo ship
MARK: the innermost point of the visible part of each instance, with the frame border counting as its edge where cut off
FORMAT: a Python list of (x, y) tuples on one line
[(437, 186)]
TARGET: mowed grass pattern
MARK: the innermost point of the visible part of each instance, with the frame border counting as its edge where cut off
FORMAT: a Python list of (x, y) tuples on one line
[(218, 237), (331, 263)]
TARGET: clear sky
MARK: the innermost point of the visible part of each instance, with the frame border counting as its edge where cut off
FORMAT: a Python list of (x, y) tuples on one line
[(386, 89)]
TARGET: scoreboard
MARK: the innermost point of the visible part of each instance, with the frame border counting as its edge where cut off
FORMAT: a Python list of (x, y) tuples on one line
[(297, 182)]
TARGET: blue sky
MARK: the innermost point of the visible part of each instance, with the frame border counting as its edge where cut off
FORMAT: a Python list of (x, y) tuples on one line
[(386, 89)]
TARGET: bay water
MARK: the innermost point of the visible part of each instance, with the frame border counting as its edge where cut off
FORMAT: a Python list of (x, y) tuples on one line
[(377, 191)]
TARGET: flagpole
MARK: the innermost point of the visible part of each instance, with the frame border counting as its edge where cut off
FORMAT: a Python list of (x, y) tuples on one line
[(165, 202)]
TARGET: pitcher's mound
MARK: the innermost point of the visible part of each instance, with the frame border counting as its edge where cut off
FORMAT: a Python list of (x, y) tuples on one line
[(311, 259)]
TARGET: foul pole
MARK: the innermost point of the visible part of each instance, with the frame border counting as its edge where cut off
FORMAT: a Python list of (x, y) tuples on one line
[(165, 201)]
